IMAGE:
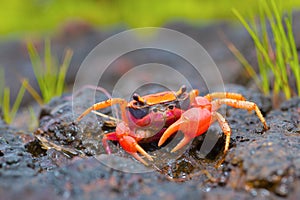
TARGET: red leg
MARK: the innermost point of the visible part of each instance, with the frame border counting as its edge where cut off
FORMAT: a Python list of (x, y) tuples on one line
[(110, 136)]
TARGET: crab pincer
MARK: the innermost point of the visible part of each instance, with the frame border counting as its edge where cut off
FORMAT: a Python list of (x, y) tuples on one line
[(127, 141), (192, 123)]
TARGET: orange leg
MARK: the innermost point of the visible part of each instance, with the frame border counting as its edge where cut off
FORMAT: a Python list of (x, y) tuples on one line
[(247, 105), (224, 95), (225, 128), (105, 104)]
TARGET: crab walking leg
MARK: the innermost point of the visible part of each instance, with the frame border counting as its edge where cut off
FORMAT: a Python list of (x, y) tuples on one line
[(110, 136), (225, 128), (144, 153), (247, 105), (224, 95), (105, 104)]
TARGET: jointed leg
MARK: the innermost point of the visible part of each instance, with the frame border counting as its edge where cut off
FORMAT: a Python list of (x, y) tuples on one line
[(105, 104), (247, 105), (109, 136), (224, 95), (225, 128), (143, 152)]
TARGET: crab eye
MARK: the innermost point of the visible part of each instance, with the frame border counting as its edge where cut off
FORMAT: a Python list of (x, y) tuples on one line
[(138, 99), (171, 107)]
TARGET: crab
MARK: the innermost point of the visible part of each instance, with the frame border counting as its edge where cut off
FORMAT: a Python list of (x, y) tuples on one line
[(158, 116)]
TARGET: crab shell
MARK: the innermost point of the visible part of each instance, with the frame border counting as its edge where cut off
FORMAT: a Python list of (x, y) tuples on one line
[(149, 116)]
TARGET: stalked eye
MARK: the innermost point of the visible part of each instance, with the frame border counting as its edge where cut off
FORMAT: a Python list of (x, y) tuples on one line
[(171, 107), (139, 113), (138, 99)]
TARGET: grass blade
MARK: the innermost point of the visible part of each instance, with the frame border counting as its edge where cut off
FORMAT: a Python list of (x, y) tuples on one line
[(17, 101), (63, 71), (249, 69), (255, 38), (294, 62), (50, 76), (6, 105), (37, 66), (33, 92), (263, 67)]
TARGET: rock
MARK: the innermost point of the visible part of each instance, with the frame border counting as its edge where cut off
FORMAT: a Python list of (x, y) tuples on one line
[(260, 164)]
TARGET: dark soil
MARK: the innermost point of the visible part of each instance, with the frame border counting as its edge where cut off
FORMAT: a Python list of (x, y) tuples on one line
[(61, 160)]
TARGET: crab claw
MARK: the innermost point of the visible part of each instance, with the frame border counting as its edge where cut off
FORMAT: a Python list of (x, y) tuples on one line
[(130, 145), (127, 141), (192, 123)]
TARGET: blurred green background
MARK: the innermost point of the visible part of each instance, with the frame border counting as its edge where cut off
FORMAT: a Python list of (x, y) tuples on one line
[(27, 17)]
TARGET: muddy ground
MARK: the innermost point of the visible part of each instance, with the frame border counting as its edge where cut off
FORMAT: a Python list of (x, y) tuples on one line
[(62, 160)]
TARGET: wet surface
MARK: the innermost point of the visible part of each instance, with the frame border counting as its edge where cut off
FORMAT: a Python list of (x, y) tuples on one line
[(61, 161)]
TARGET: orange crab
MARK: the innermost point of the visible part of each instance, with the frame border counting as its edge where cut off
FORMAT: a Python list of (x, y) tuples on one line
[(156, 117)]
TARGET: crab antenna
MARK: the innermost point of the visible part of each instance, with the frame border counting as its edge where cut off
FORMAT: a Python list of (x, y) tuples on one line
[(139, 99), (181, 90)]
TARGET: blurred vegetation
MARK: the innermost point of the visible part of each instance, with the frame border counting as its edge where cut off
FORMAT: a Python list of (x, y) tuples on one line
[(276, 50), (48, 73), (21, 17), (50, 77), (9, 112)]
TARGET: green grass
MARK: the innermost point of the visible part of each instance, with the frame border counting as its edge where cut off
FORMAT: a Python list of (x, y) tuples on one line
[(45, 16), (49, 75), (8, 112), (276, 53)]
